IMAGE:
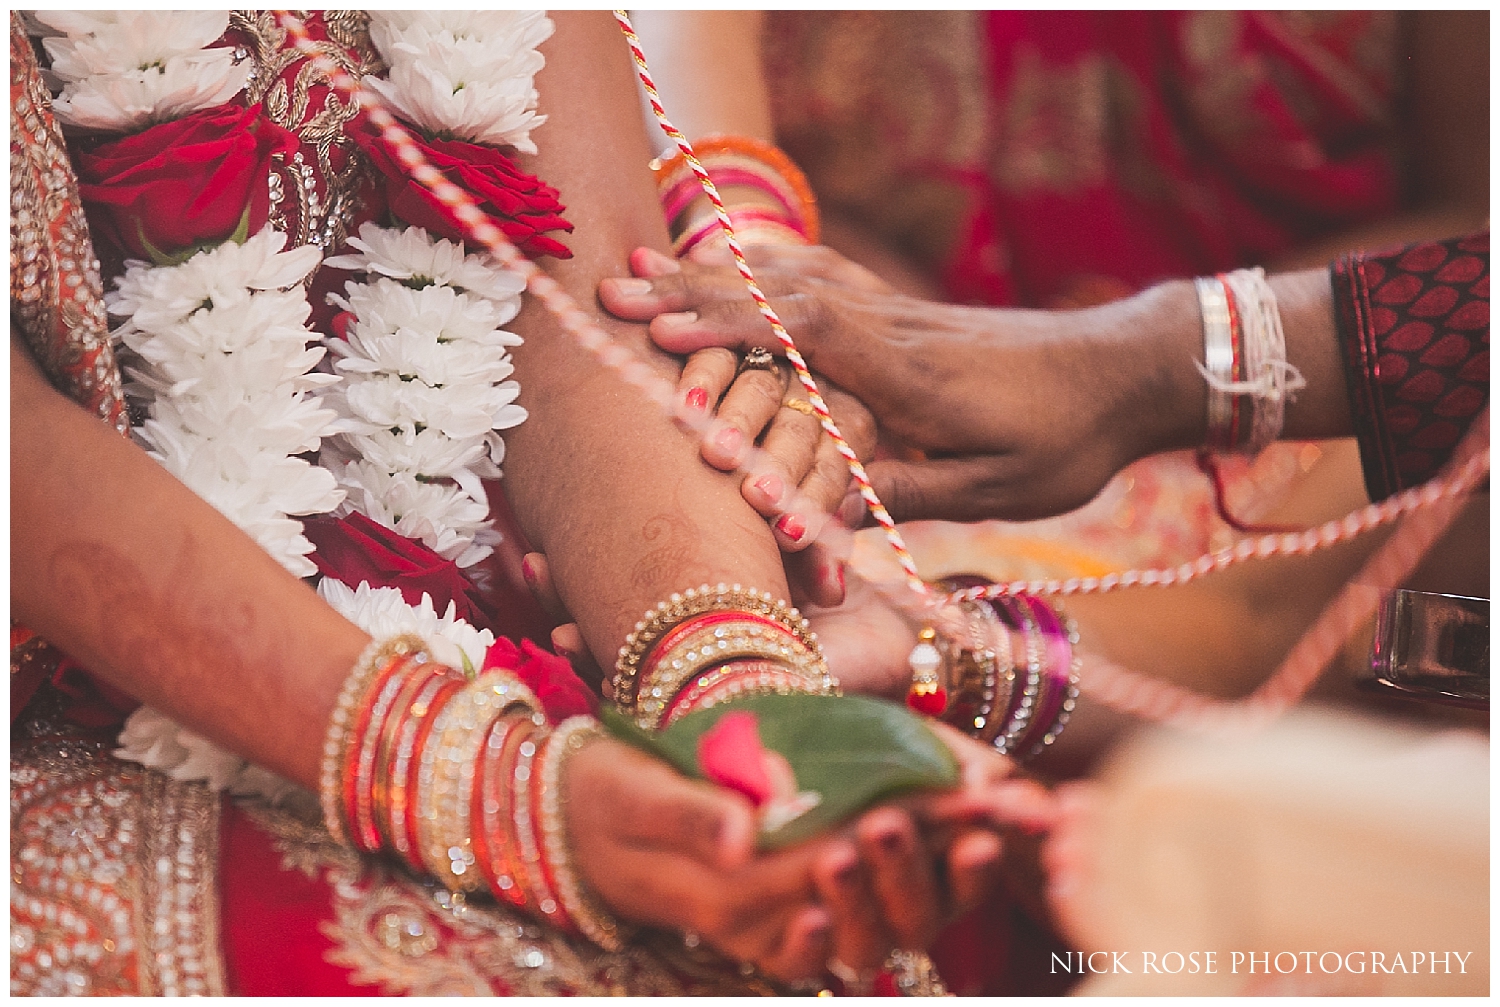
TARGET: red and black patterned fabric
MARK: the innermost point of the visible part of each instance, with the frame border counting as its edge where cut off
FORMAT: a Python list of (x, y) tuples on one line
[(1415, 328)]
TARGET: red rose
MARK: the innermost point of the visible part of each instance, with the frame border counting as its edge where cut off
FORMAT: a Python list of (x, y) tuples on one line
[(184, 183), (558, 688), (522, 205), (354, 548)]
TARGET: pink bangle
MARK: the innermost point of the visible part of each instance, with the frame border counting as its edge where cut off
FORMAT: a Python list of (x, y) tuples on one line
[(683, 192), (1058, 687)]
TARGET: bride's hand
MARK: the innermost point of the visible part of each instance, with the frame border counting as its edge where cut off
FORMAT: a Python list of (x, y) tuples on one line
[(664, 850)]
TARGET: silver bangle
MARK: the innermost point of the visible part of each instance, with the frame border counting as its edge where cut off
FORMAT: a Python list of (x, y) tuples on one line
[(1218, 361)]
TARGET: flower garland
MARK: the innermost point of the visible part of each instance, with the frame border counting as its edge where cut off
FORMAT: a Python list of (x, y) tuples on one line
[(406, 419), (425, 390)]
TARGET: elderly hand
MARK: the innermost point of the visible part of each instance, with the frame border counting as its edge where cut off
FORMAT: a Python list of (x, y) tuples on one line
[(1022, 413)]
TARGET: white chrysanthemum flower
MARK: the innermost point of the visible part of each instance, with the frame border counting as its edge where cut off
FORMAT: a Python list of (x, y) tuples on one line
[(125, 70), (383, 612), (387, 307), (450, 518), (411, 254), (463, 412), (152, 739), (463, 74)]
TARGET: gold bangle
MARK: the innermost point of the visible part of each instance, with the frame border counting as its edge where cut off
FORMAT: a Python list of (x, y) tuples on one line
[(336, 739), (744, 678), (445, 780), (713, 645), (981, 672), (668, 614), (580, 905)]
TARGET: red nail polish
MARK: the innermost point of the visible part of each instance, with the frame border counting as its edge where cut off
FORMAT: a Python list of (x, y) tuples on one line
[(838, 573), (792, 527), (527, 572), (729, 439), (697, 398), (770, 485)]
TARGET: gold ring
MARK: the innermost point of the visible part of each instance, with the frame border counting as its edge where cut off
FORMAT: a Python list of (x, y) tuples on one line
[(757, 358), (800, 405)]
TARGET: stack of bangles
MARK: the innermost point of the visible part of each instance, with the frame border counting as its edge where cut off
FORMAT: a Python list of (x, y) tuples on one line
[(786, 215), (709, 645), (1006, 672), (461, 779), (1244, 361)]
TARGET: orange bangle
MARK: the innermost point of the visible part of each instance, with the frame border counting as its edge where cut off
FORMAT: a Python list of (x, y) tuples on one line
[(768, 155)]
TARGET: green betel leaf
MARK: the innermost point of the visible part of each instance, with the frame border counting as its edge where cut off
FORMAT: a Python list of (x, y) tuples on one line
[(852, 751)]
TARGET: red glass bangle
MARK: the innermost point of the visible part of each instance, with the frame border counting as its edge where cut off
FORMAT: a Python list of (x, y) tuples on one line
[(359, 756), (408, 763)]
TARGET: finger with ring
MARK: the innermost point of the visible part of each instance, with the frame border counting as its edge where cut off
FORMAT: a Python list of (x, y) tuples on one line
[(756, 358)]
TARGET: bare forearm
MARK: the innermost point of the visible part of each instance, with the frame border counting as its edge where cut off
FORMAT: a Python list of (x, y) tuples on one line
[(603, 483), (707, 67), (134, 576)]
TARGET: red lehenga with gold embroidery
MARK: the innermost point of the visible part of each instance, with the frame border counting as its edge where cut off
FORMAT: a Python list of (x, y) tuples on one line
[(126, 881)]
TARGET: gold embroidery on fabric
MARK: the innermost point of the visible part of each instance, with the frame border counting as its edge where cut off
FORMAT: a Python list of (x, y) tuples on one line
[(55, 291), (323, 199), (180, 897), (414, 938), (33, 656), (113, 875)]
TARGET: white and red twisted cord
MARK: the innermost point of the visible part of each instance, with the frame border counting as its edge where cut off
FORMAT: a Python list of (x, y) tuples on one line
[(1131, 692), (814, 397), (1471, 465)]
